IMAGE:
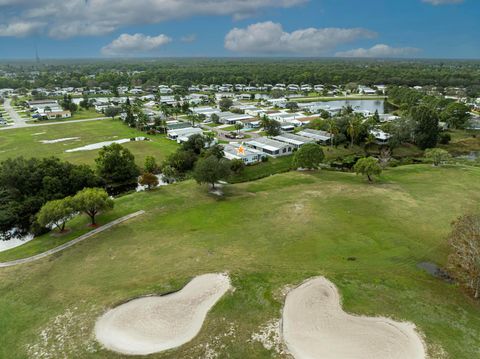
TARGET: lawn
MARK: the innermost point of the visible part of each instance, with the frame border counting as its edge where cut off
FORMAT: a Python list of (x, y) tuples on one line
[(26, 141), (80, 114), (267, 234)]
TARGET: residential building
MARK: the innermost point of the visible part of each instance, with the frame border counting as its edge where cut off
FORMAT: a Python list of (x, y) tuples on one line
[(237, 151), (270, 147), (295, 140), (322, 137)]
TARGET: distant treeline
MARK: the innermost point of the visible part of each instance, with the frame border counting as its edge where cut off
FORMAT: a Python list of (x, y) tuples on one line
[(445, 73)]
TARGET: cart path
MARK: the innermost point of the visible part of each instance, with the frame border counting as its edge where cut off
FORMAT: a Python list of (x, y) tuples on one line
[(72, 242)]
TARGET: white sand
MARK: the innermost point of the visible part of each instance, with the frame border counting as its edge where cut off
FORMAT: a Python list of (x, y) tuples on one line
[(60, 140), (315, 326), (153, 324), (98, 145)]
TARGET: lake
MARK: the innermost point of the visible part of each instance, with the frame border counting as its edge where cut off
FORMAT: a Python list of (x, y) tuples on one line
[(358, 105)]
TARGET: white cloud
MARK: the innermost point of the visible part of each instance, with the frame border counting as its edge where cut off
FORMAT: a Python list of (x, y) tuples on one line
[(137, 44), (443, 2), (380, 51), (19, 28), (269, 38), (67, 18)]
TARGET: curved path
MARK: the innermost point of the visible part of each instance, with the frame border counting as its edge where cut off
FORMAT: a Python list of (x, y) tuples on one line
[(71, 243)]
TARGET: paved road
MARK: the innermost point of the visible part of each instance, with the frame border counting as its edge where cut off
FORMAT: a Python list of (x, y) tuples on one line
[(71, 243), (17, 119), (221, 134), (52, 123)]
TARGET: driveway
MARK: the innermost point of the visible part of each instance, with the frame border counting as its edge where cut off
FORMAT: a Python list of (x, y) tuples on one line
[(221, 134), (17, 119)]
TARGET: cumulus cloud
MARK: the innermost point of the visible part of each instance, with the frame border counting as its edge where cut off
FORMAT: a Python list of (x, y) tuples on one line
[(131, 45), (67, 18), (380, 50), (443, 2), (269, 38)]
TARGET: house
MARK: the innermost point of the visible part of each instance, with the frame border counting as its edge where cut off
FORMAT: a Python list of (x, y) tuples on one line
[(270, 147), (366, 90), (207, 111), (381, 137), (237, 151), (295, 140), (388, 117), (229, 118), (285, 117), (251, 124), (183, 134), (322, 137), (57, 115)]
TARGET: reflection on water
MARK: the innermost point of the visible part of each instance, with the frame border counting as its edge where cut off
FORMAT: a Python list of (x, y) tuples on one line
[(358, 105)]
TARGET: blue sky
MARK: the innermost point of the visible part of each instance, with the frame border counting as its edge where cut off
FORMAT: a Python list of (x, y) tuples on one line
[(317, 28)]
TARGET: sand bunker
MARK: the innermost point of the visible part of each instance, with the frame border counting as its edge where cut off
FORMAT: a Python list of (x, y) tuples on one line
[(60, 140), (153, 324), (98, 145), (315, 326)]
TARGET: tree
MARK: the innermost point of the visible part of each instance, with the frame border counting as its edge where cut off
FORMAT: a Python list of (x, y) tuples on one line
[(112, 112), (170, 174), (456, 115), (292, 106), (211, 169), (426, 126), (368, 166), (215, 150), (195, 143), (437, 156), (353, 129), (116, 165), (91, 201), (309, 156), (150, 165), (149, 180), (215, 118), (271, 127), (237, 166), (238, 126), (225, 104), (27, 184), (464, 259), (56, 213)]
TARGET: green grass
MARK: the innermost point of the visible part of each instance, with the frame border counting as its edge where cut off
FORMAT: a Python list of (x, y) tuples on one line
[(263, 169), (267, 234), (81, 114), (25, 141)]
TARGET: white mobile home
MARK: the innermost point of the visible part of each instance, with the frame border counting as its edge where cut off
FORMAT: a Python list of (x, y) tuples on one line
[(236, 151), (270, 147), (295, 140), (181, 134), (322, 137)]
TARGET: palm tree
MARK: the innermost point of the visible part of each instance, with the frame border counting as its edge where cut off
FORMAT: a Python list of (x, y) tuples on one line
[(332, 129), (238, 126), (353, 129)]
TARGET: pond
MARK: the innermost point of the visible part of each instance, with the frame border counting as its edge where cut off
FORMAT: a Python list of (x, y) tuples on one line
[(358, 105)]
